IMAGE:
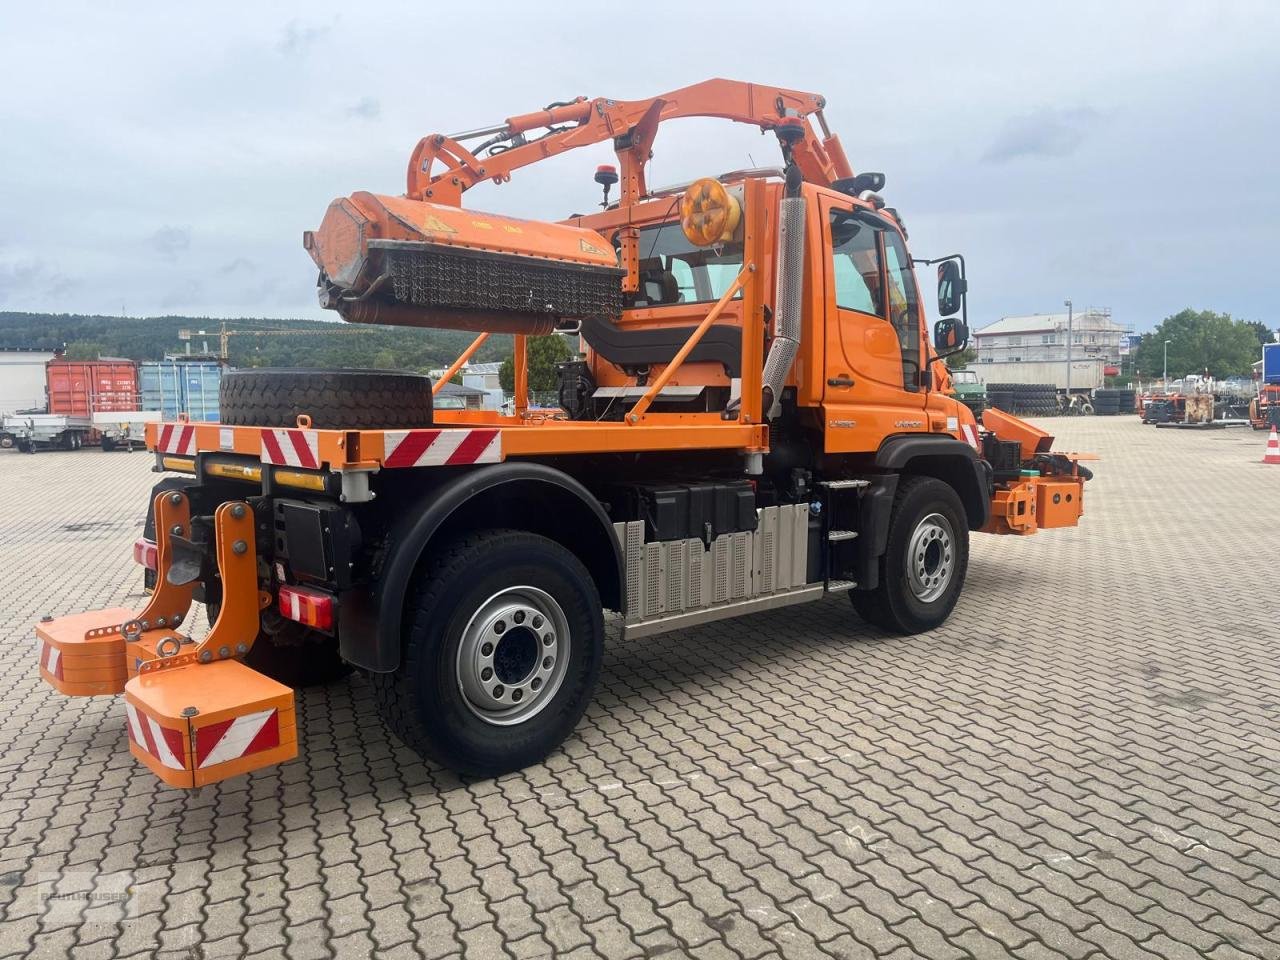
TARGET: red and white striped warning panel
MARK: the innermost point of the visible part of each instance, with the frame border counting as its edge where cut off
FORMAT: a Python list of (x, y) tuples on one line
[(441, 448), (177, 438), (50, 658), (970, 435), (291, 448), (163, 743), (238, 737)]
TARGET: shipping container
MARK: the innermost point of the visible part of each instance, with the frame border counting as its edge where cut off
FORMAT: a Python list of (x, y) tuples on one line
[(181, 386), (22, 379), (81, 388)]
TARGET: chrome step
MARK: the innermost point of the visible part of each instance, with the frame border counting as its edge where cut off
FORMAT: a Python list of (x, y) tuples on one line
[(837, 535), (844, 484), (836, 586)]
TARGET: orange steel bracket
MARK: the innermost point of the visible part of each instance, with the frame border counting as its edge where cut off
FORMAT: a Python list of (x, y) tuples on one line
[(521, 363), (459, 363), (234, 631), (1008, 427), (169, 602), (699, 332)]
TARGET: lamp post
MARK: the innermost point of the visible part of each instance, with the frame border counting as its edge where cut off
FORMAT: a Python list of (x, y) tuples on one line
[(1166, 364), (1070, 320)]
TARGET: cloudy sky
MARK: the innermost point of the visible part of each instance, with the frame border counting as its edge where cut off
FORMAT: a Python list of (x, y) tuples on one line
[(168, 158)]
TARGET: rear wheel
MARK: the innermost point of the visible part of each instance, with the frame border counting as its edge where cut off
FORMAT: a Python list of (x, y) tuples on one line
[(503, 641), (923, 567)]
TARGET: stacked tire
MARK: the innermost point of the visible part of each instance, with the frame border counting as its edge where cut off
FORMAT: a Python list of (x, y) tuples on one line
[(1024, 399), (1158, 411), (1110, 403)]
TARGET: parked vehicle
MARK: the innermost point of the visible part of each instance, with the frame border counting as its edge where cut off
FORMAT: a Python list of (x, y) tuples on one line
[(125, 429), (48, 431), (759, 421), (969, 390)]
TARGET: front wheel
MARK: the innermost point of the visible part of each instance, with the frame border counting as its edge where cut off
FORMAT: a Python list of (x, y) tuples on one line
[(923, 567), (503, 641)]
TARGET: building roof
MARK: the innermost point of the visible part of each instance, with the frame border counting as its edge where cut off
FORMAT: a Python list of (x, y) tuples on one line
[(483, 368), (1049, 323), (458, 390)]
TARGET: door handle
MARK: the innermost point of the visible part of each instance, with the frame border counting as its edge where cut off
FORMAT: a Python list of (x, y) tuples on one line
[(840, 381)]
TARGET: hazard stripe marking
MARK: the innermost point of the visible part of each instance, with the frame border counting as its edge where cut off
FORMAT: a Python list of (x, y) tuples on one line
[(51, 659), (291, 448), (177, 438), (435, 448), (238, 737), (163, 743)]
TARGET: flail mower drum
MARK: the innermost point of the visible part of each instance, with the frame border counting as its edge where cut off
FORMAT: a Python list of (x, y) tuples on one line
[(392, 260)]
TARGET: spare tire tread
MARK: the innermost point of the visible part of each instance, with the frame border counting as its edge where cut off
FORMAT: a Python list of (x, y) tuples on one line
[(333, 399)]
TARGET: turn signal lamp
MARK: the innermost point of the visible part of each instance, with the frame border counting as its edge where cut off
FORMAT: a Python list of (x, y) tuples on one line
[(709, 213)]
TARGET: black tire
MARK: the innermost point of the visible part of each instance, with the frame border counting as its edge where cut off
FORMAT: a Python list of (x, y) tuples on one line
[(424, 702), (108, 444), (893, 605), (333, 399)]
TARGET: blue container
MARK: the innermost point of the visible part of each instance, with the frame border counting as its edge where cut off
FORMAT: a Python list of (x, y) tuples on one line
[(181, 386), (1271, 362)]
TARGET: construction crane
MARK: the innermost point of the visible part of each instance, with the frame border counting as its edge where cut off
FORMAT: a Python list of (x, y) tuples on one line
[(225, 333)]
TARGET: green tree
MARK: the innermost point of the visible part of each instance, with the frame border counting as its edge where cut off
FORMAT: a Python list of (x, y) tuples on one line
[(958, 361), (1265, 333), (543, 355), (1199, 341), (84, 350)]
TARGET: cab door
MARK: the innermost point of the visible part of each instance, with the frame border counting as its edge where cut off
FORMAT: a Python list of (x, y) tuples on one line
[(872, 379)]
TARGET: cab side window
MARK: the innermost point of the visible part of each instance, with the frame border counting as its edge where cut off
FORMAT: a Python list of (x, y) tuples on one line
[(904, 309), (857, 265)]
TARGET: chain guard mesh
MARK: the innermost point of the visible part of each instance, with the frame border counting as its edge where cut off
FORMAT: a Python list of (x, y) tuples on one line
[(432, 278)]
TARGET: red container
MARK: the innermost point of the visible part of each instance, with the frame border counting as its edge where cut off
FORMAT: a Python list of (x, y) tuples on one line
[(81, 388)]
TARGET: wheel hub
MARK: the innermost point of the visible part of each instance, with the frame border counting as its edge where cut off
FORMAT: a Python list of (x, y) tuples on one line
[(513, 655), (931, 558)]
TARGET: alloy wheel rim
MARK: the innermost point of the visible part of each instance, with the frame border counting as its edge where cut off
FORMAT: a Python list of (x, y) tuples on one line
[(931, 558), (514, 655)]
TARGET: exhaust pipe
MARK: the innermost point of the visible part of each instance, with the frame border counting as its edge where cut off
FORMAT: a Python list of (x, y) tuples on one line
[(788, 293)]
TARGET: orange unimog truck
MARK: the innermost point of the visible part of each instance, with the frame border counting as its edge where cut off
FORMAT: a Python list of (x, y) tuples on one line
[(759, 417)]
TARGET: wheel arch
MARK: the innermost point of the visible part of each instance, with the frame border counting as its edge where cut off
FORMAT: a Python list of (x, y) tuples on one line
[(952, 461), (523, 496)]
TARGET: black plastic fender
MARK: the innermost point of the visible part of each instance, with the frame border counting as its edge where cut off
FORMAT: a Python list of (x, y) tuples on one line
[(945, 458), (369, 619)]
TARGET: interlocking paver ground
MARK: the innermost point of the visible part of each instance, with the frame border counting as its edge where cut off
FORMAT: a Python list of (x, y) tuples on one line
[(1085, 761)]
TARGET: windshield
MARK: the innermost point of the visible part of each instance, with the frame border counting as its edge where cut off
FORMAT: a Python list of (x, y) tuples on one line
[(673, 270)]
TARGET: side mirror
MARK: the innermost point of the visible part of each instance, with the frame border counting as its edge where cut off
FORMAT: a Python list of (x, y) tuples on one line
[(951, 288), (950, 336)]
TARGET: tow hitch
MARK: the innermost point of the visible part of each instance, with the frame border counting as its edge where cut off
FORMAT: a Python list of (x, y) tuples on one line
[(196, 714)]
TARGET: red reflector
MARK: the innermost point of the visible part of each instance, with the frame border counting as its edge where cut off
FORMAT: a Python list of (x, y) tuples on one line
[(314, 608), (145, 553)]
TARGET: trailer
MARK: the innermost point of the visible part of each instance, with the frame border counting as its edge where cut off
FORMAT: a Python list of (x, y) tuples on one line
[(47, 431), (124, 429), (1086, 375)]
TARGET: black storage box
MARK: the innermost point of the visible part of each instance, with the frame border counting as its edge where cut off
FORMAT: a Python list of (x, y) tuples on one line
[(704, 510)]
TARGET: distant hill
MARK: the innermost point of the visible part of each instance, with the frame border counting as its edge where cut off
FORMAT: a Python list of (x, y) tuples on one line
[(324, 344)]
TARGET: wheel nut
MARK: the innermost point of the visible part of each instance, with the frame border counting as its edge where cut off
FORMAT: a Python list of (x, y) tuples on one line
[(486, 649), (519, 616), (486, 673), (499, 626), (497, 691), (537, 682), (546, 663), (547, 639), (537, 623), (517, 695)]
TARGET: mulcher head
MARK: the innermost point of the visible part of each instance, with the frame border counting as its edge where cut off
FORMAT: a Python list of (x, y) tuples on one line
[(399, 261)]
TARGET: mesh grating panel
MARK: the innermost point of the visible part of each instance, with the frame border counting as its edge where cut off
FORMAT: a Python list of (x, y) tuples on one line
[(431, 277)]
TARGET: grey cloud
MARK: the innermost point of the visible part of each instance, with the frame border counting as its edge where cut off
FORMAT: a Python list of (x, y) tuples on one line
[(298, 37), (238, 265), (33, 279), (367, 109), (170, 241), (1048, 132)]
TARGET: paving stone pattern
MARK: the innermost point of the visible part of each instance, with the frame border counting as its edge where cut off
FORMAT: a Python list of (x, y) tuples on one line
[(1082, 763)]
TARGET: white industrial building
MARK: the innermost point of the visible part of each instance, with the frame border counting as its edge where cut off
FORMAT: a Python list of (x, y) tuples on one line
[(478, 376), (1043, 336)]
